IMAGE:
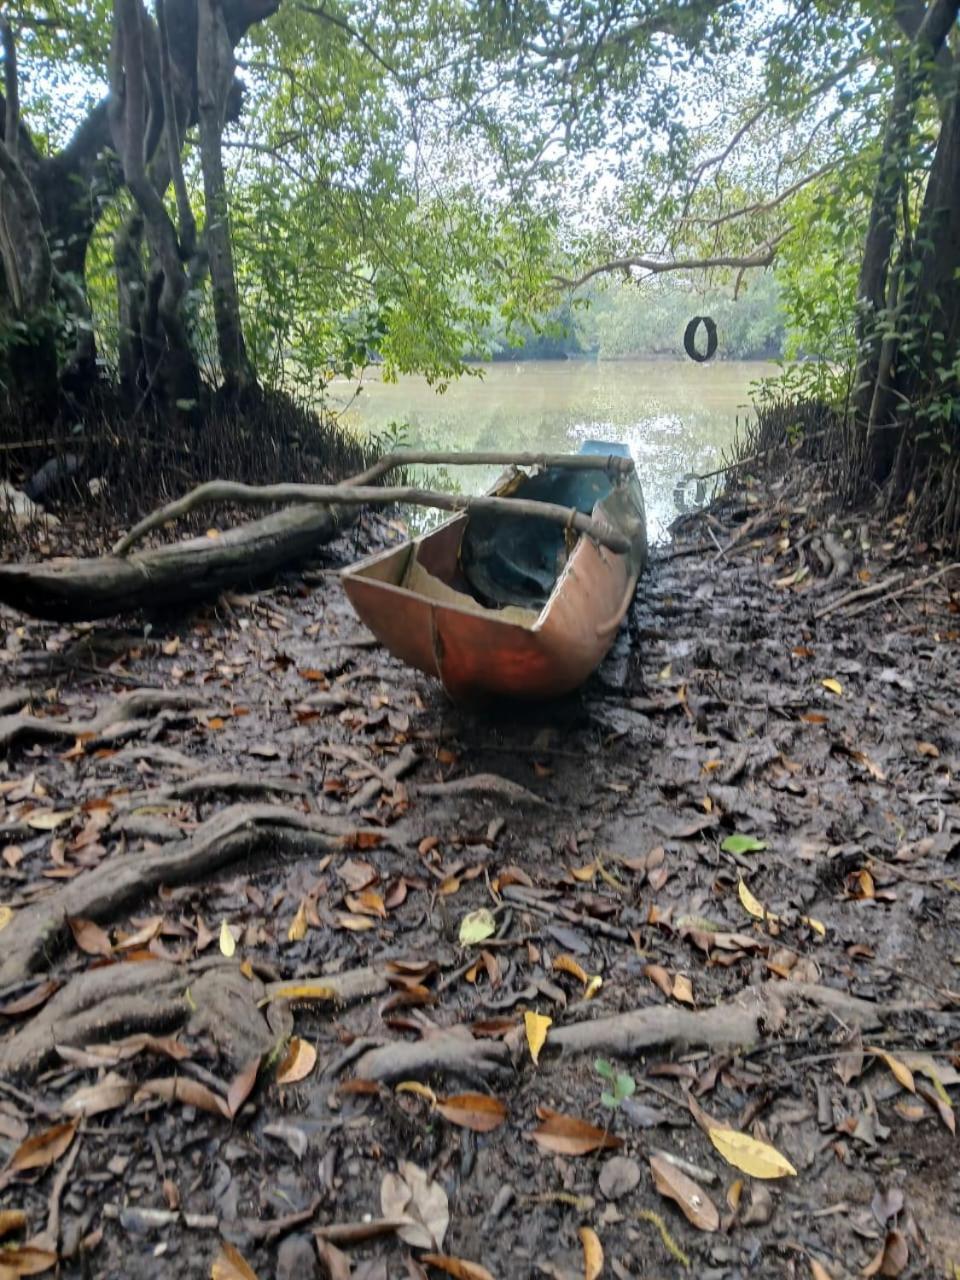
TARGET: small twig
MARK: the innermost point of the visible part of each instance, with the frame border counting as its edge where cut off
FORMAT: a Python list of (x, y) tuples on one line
[(917, 584)]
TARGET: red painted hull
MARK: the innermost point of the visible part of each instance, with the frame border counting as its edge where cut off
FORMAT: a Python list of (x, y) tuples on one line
[(477, 652)]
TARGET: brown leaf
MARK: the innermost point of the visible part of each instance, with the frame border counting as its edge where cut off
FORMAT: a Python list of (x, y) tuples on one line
[(27, 1260), (182, 1089), (335, 1262), (31, 1000), (891, 1258), (89, 937), (694, 1202), (659, 977), (44, 1149), (229, 1264), (299, 1062), (11, 1220), (570, 1136), (106, 1095), (476, 1111), (567, 964), (459, 1268), (241, 1085), (818, 1271), (366, 903)]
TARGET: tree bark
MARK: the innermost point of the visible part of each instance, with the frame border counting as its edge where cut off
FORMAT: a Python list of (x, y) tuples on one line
[(215, 71), (912, 75)]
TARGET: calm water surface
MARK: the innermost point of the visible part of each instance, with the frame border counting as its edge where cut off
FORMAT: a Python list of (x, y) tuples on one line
[(677, 417)]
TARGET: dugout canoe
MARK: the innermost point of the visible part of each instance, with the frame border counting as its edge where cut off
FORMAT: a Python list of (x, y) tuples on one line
[(511, 607)]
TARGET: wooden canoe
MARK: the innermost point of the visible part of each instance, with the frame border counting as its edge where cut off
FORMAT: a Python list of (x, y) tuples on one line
[(505, 607)]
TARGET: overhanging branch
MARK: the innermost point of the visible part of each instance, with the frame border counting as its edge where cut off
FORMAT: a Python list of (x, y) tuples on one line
[(759, 258)]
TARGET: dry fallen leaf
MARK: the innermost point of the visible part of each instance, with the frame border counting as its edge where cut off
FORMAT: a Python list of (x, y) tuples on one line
[(182, 1089), (682, 989), (25, 1260), (6, 915), (818, 1271), (460, 1268), (694, 1202), (44, 1148), (298, 925), (229, 1264), (12, 1220), (592, 1253), (891, 1258), (749, 1155), (752, 905), (901, 1073), (420, 1203), (536, 1026), (833, 686), (570, 1136), (90, 938), (106, 1095), (228, 944), (476, 1111), (300, 1060), (567, 964)]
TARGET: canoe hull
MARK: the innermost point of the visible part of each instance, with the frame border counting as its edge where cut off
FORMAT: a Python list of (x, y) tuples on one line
[(511, 653)]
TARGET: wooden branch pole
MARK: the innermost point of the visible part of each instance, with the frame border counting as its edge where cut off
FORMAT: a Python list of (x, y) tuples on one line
[(612, 462), (370, 495)]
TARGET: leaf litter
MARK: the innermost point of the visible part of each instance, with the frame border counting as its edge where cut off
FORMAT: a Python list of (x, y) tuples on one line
[(775, 843)]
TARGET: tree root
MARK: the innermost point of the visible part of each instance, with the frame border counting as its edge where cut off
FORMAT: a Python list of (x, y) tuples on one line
[(739, 1024), (206, 784), (240, 831), (482, 784), (211, 998), (451, 1052), (135, 705), (405, 763)]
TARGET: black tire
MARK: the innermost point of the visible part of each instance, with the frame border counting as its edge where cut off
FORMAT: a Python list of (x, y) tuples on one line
[(690, 333)]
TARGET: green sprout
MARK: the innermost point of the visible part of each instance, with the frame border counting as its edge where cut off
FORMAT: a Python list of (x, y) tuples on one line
[(623, 1085)]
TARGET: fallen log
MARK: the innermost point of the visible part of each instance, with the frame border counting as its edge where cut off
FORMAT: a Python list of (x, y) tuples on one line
[(68, 590)]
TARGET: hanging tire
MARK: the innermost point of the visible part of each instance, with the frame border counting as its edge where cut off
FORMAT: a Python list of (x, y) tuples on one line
[(689, 336)]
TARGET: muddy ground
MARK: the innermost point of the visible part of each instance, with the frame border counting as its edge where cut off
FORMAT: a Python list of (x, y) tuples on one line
[(273, 853)]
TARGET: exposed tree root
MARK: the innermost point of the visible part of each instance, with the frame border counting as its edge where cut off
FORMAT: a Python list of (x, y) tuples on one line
[(135, 705), (740, 1024), (36, 932), (482, 784), (210, 998), (451, 1052), (236, 784), (405, 763)]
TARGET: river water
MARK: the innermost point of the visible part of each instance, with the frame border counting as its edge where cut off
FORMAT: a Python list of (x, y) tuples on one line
[(677, 417)]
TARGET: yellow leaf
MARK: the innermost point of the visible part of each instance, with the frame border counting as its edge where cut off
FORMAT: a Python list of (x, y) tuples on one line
[(592, 1253), (536, 1025), (477, 926), (228, 943), (246, 969), (6, 915), (816, 925), (213, 533), (567, 964), (421, 1090), (585, 873), (303, 991), (229, 1264), (901, 1073), (749, 1155), (752, 905), (298, 925), (592, 987), (300, 1060), (834, 686)]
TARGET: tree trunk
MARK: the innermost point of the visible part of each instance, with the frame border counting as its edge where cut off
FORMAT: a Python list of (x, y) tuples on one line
[(876, 394), (215, 70)]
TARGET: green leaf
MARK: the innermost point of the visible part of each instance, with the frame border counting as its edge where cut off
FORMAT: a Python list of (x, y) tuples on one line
[(609, 1100), (738, 843), (626, 1086), (603, 1068)]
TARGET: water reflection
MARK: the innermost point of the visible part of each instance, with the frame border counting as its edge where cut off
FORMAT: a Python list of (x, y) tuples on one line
[(676, 417)]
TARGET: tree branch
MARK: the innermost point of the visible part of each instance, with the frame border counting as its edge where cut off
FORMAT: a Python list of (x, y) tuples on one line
[(764, 206), (761, 257)]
